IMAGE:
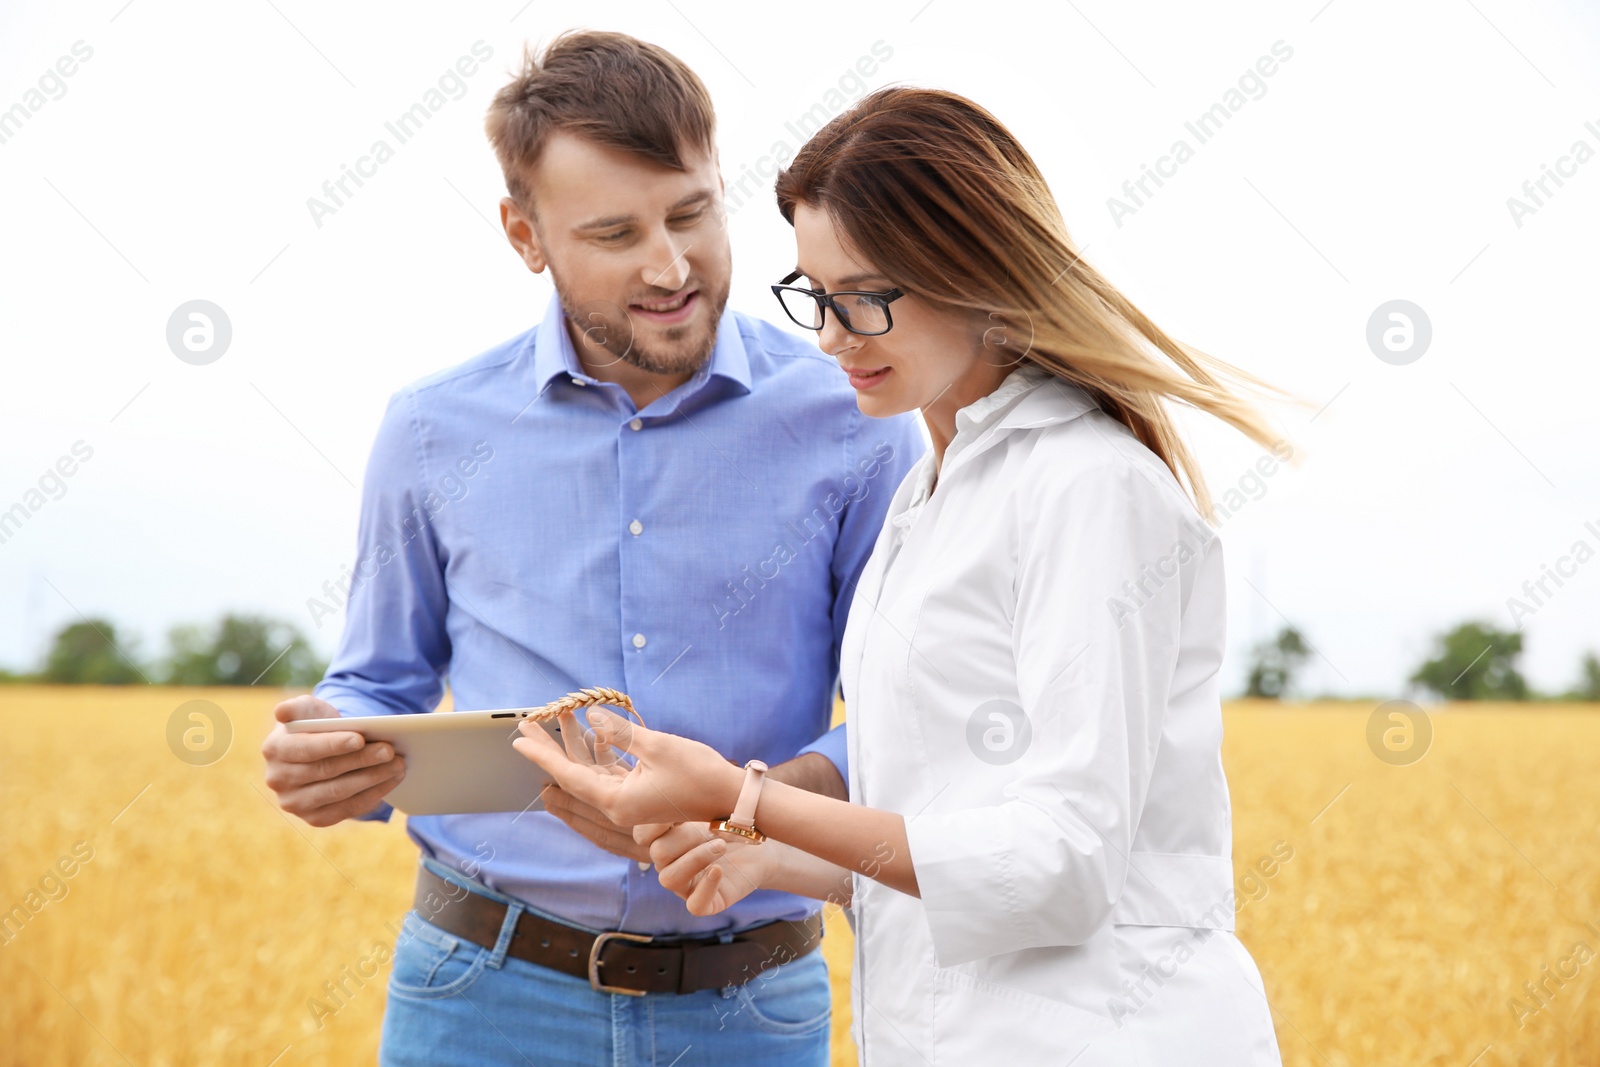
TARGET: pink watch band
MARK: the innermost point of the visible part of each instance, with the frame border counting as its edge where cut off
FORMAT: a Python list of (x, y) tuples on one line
[(743, 820), (744, 810)]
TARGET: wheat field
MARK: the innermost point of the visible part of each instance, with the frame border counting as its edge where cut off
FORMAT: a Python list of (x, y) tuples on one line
[(1445, 912)]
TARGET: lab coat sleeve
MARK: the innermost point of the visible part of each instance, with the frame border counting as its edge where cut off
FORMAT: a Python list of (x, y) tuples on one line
[(1101, 585)]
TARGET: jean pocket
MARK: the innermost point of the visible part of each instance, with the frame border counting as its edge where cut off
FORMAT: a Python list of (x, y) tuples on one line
[(430, 963), (792, 998)]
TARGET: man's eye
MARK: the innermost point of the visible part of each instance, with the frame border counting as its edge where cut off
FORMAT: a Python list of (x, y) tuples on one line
[(612, 238), (694, 217)]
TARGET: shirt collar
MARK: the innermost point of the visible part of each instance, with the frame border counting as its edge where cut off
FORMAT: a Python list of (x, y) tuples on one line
[(971, 421), (977, 415), (553, 355)]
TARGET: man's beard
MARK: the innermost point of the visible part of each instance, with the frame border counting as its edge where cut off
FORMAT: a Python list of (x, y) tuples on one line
[(607, 326)]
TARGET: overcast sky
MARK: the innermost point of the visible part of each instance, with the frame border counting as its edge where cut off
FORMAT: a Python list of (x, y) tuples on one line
[(1376, 162)]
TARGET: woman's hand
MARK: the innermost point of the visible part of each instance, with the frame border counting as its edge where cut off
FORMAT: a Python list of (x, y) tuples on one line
[(709, 871), (584, 818), (673, 779)]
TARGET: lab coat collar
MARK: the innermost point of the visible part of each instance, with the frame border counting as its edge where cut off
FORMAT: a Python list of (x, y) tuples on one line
[(1029, 398), (1052, 400)]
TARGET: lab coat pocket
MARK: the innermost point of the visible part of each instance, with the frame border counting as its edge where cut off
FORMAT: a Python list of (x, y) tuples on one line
[(978, 1021)]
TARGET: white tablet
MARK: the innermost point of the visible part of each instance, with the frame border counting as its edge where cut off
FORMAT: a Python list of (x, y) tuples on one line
[(457, 762)]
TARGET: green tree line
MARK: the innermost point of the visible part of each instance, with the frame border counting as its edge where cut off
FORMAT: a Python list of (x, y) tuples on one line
[(1472, 661), (235, 650)]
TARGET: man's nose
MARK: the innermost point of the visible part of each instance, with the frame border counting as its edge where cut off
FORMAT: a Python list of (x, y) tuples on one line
[(668, 268)]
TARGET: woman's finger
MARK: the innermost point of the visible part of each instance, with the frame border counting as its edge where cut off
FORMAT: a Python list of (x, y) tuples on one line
[(646, 833), (678, 839), (679, 874), (584, 782), (606, 758), (707, 896), (572, 738), (618, 732)]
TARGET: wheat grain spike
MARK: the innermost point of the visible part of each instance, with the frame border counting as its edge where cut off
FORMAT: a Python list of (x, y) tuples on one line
[(585, 698)]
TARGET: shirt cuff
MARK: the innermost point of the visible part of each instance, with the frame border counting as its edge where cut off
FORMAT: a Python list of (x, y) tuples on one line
[(834, 745), (380, 813), (352, 701)]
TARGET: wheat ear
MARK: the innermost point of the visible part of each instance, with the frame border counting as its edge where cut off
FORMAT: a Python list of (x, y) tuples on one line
[(585, 698)]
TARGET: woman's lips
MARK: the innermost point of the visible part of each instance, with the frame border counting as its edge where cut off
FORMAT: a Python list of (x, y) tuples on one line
[(666, 318), (865, 379)]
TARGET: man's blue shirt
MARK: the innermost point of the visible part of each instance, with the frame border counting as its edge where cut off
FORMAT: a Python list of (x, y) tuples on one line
[(526, 532)]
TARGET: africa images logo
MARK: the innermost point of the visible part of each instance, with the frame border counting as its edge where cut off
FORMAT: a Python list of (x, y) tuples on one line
[(336, 191)]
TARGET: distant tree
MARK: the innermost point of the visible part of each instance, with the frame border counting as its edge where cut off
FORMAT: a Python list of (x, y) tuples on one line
[(241, 650), (87, 653), (1589, 679), (1274, 663), (1475, 661)]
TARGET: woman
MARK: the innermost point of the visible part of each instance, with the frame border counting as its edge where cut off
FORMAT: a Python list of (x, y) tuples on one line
[(1036, 851)]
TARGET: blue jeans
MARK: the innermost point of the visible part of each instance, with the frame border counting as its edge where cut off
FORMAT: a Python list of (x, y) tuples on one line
[(456, 1004)]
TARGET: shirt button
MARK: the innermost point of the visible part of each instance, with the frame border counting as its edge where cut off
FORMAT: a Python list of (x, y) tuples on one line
[(638, 640), (636, 527), (636, 424), (579, 381)]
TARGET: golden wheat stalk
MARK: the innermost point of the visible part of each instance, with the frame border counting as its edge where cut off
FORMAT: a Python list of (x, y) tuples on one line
[(584, 698)]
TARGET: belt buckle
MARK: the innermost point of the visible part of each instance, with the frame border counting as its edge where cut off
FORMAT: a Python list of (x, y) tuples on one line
[(595, 961)]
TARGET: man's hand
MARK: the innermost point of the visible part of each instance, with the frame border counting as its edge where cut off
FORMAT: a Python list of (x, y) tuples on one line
[(584, 818), (588, 821), (811, 771), (672, 779), (326, 778)]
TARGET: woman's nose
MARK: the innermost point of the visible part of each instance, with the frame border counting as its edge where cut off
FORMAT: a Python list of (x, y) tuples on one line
[(834, 339)]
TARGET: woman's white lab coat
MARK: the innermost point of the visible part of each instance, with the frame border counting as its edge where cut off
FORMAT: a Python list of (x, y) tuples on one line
[(1031, 672)]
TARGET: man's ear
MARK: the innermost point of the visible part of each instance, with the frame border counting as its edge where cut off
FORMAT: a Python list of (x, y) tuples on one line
[(523, 235), (722, 189)]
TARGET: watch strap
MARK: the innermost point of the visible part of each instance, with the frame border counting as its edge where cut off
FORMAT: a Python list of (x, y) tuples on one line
[(744, 810)]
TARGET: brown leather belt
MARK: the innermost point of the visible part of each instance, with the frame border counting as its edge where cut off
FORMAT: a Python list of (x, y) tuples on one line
[(634, 964)]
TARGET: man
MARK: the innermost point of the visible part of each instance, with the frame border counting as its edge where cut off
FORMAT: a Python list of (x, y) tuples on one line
[(647, 492)]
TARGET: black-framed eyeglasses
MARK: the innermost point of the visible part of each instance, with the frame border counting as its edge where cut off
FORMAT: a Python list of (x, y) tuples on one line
[(859, 312)]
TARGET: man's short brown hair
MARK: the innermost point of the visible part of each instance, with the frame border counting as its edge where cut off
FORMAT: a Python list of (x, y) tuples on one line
[(616, 90)]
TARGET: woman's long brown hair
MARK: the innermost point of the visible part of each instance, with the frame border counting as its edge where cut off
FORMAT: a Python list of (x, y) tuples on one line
[(937, 195)]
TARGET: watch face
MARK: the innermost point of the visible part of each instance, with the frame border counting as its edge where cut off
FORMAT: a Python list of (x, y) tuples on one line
[(757, 765)]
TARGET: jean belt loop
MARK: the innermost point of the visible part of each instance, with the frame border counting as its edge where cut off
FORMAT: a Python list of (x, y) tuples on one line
[(502, 945)]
